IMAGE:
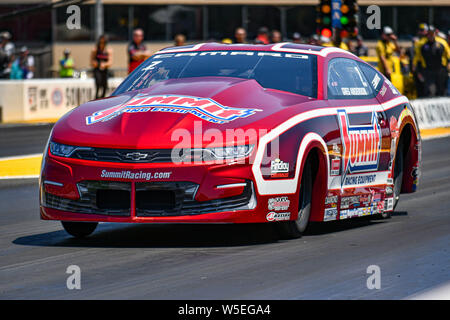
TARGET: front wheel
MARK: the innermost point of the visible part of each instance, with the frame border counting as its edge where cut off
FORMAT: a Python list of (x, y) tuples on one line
[(295, 229), (79, 229)]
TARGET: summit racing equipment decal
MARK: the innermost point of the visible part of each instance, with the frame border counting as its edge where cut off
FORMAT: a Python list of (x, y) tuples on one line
[(361, 145), (204, 108), (140, 175)]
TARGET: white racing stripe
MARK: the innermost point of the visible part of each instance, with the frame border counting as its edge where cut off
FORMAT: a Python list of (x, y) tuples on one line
[(289, 186)]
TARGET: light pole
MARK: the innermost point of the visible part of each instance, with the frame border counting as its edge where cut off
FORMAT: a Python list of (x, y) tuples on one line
[(98, 18)]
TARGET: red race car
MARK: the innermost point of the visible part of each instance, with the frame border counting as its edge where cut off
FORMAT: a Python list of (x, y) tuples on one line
[(215, 133)]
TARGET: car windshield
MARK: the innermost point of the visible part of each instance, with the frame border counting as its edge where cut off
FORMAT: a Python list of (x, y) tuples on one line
[(296, 73)]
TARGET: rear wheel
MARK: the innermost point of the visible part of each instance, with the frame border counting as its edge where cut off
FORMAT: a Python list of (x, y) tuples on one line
[(398, 173), (398, 178), (295, 229), (79, 229)]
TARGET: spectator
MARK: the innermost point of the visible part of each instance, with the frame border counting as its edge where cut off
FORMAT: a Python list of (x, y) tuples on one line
[(385, 50), (180, 40), (296, 38), (4, 65), (16, 72), (6, 45), (101, 61), (314, 40), (240, 35), (422, 30), (6, 54), (360, 49), (137, 52), (432, 55), (263, 36), (26, 62), (66, 65), (441, 35), (324, 41), (275, 36)]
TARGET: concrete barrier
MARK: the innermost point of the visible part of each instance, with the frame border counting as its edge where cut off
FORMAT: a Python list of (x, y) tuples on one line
[(49, 99), (432, 113), (45, 99)]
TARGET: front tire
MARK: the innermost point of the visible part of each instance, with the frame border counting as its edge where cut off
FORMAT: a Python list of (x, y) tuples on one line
[(295, 229), (79, 229)]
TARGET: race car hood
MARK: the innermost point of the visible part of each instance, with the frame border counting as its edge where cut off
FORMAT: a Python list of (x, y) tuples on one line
[(158, 116)]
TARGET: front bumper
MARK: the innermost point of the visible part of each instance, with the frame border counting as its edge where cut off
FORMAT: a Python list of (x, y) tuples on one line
[(80, 190)]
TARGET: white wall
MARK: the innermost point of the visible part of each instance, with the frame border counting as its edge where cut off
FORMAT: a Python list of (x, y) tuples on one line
[(44, 99)]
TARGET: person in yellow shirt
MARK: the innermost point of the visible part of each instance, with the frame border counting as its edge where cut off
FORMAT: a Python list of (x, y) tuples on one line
[(386, 47), (66, 65), (431, 59)]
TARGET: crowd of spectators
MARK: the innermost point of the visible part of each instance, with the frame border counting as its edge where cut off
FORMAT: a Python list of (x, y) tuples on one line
[(14, 64), (425, 62)]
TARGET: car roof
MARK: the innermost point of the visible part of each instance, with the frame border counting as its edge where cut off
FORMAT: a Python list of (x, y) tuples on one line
[(277, 47)]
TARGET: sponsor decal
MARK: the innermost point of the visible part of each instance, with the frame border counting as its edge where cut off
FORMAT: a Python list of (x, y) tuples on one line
[(383, 91), (346, 202), (389, 190), (391, 86), (361, 147), (279, 169), (278, 216), (364, 198), (335, 167), (204, 108), (57, 97), (331, 200), (343, 214), (130, 175), (353, 213), (330, 214), (376, 81), (365, 211), (380, 206), (359, 179), (376, 197), (278, 203), (389, 204), (336, 148)]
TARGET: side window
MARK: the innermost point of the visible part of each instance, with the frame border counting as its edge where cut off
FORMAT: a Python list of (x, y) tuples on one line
[(373, 76), (346, 80)]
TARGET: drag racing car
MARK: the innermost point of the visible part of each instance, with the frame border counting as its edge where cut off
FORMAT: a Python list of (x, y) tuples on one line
[(215, 133)]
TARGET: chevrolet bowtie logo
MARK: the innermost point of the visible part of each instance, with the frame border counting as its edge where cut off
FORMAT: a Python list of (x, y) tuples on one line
[(136, 156)]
